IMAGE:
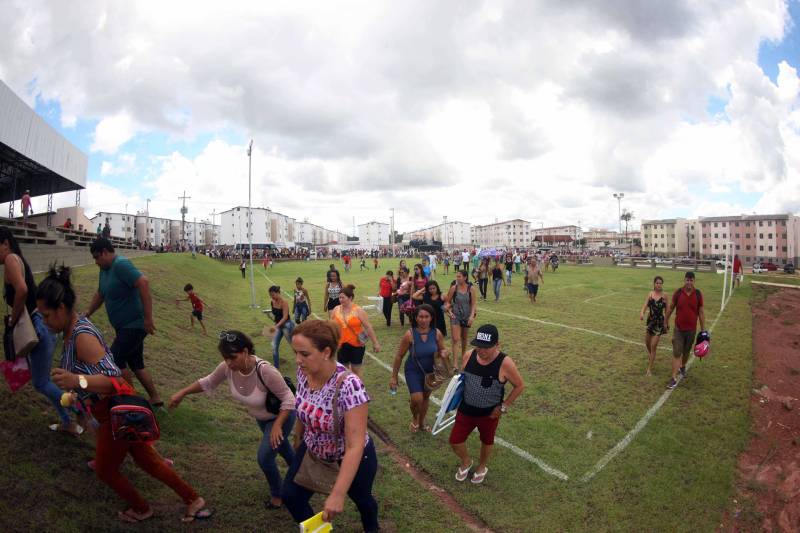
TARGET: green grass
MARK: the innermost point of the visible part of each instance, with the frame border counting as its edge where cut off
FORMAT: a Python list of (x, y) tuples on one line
[(584, 393)]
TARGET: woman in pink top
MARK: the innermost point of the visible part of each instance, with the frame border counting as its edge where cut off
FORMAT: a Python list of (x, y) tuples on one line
[(344, 440), (249, 379)]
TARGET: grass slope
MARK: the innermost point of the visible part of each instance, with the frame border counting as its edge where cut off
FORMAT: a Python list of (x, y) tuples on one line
[(585, 392)]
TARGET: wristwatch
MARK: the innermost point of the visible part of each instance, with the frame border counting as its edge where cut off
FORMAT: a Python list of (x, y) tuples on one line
[(82, 381), (503, 408)]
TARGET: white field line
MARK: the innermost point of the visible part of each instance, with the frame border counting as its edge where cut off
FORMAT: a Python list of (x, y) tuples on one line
[(566, 326), (593, 298), (502, 442), (627, 439), (775, 284)]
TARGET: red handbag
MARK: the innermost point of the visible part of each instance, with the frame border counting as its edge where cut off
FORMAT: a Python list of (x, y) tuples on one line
[(132, 417)]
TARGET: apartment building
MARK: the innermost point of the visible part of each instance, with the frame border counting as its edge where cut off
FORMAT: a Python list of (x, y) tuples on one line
[(671, 237), (557, 235), (122, 224), (508, 234), (373, 234), (596, 238), (451, 234), (754, 237)]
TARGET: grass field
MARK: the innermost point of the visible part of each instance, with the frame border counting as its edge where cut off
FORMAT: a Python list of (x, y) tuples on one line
[(579, 349)]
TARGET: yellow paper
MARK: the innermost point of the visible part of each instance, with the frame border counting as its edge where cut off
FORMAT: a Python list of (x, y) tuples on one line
[(315, 524)]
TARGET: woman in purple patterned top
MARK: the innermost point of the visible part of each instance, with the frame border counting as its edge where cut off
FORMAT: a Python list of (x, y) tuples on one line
[(318, 374)]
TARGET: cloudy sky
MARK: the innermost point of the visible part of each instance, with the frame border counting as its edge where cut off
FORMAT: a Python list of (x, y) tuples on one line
[(477, 110)]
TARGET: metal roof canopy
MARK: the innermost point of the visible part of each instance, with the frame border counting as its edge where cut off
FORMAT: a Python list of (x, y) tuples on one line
[(33, 155)]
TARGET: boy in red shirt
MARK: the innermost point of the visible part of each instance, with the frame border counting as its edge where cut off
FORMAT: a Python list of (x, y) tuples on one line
[(687, 302), (197, 305)]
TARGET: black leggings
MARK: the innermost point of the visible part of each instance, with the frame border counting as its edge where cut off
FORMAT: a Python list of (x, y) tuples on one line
[(482, 285), (387, 309)]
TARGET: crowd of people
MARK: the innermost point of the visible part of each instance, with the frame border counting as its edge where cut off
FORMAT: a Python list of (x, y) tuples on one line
[(319, 428)]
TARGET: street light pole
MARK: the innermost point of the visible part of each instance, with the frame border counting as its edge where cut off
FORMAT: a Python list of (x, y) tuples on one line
[(619, 197), (250, 223), (394, 254)]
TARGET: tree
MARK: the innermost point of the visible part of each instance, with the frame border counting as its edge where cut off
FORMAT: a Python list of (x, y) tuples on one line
[(626, 217), (606, 243)]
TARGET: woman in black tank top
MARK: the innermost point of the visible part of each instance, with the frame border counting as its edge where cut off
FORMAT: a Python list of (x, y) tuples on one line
[(283, 324)]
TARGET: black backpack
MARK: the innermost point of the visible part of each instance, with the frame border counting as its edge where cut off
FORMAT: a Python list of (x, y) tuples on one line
[(273, 404)]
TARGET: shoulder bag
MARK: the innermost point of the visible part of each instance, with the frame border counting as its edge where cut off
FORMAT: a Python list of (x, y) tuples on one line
[(272, 403), (315, 473), (363, 337), (23, 336), (442, 369)]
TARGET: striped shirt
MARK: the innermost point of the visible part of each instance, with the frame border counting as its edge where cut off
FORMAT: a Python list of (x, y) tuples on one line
[(70, 361)]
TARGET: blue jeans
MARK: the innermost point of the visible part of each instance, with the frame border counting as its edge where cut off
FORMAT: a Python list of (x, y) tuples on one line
[(266, 453), (285, 330), (300, 312), (41, 364), (296, 498), (496, 284)]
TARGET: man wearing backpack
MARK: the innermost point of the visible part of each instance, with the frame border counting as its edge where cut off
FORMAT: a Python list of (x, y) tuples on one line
[(687, 302)]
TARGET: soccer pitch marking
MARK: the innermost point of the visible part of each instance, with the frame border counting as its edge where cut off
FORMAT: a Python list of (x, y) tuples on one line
[(640, 425), (502, 442)]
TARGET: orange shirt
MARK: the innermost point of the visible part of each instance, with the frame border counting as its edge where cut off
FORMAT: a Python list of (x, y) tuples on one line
[(350, 328)]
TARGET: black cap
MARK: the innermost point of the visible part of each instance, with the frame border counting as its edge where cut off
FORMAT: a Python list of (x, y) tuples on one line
[(486, 337)]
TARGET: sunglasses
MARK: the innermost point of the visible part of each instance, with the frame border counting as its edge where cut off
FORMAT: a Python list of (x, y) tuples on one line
[(225, 335)]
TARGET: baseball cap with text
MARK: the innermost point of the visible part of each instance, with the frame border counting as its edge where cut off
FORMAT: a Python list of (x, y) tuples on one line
[(486, 337)]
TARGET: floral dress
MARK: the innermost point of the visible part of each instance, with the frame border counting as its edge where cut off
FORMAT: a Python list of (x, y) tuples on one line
[(656, 325)]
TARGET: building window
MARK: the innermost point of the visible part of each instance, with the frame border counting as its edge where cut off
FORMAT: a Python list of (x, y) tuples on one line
[(784, 236), (738, 247), (737, 224), (716, 235), (723, 224), (769, 235), (747, 247), (769, 223), (716, 246), (737, 235), (761, 248), (760, 235), (746, 235), (770, 248), (784, 249), (715, 224), (760, 223)]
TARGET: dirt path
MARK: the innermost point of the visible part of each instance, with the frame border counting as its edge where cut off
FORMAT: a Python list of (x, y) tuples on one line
[(768, 485), (472, 522)]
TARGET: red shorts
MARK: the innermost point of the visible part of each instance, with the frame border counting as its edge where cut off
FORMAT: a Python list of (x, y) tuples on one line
[(464, 424)]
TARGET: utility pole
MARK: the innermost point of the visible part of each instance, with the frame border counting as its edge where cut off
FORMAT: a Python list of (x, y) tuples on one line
[(184, 210), (391, 233), (147, 221), (250, 223), (619, 197), (213, 214)]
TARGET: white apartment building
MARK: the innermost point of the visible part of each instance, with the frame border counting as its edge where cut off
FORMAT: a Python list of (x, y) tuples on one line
[(596, 238), (508, 234), (557, 235), (269, 227), (453, 234), (672, 237), (373, 234), (122, 225), (154, 230)]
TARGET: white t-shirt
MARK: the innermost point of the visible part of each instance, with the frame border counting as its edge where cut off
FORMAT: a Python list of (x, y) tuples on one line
[(432, 261), (465, 257)]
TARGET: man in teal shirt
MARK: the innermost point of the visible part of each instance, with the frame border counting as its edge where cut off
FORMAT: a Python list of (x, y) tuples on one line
[(126, 294)]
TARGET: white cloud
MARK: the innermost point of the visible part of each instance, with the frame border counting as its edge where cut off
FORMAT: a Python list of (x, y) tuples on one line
[(112, 132), (476, 110), (125, 163)]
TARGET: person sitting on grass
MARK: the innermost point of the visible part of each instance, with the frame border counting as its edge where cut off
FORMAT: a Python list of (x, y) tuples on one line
[(88, 368), (197, 306), (486, 372), (422, 342), (250, 380)]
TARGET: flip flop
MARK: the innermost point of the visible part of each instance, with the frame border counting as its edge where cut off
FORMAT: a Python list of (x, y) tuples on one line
[(269, 506), (132, 517), (202, 514), (413, 428), (461, 475), (78, 431), (479, 477)]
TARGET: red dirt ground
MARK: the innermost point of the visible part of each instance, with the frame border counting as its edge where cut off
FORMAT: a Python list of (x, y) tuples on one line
[(768, 486)]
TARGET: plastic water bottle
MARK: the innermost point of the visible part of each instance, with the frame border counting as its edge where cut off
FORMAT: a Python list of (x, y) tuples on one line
[(393, 391)]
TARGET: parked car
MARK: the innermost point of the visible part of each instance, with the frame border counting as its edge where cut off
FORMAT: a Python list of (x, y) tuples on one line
[(788, 268), (772, 267), (720, 263), (758, 269)]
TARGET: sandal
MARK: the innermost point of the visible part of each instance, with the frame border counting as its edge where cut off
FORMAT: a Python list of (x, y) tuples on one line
[(196, 511), (461, 475), (75, 430), (269, 506), (132, 517), (478, 477), (413, 428), (427, 429)]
